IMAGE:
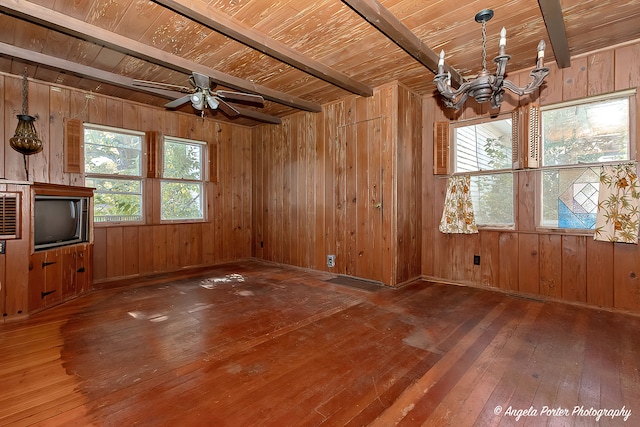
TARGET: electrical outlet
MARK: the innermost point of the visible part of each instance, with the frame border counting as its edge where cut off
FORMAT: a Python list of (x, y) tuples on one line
[(476, 260), (331, 261)]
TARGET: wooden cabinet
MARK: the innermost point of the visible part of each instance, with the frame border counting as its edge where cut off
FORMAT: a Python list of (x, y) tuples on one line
[(38, 272), (58, 274)]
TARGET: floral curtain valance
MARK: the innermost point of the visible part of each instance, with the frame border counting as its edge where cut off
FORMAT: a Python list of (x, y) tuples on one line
[(458, 216), (618, 202)]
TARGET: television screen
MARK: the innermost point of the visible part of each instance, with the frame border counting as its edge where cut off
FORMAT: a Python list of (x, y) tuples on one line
[(57, 221)]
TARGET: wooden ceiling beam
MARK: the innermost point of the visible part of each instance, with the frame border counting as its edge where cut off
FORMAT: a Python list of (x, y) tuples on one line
[(81, 70), (383, 20), (57, 21), (204, 15), (553, 19), (110, 78)]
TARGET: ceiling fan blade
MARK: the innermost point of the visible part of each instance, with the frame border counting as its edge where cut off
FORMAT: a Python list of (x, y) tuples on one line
[(229, 110), (239, 96), (178, 102), (147, 83)]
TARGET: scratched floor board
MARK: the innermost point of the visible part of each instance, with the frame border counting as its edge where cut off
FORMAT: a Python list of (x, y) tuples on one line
[(253, 343)]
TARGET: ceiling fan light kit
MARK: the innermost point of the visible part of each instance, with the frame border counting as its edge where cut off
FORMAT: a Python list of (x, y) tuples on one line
[(202, 96), (487, 87)]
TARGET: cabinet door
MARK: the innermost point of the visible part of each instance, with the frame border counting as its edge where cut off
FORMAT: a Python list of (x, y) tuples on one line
[(53, 277), (37, 280), (83, 263), (69, 282)]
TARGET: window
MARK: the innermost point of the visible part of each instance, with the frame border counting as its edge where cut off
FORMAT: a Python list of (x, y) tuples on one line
[(576, 139), (484, 151), (182, 185), (113, 167)]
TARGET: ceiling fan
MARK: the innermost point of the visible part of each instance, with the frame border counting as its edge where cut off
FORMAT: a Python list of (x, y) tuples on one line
[(202, 96)]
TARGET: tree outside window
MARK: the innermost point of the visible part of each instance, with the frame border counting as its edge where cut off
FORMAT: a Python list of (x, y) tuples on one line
[(113, 167), (182, 185)]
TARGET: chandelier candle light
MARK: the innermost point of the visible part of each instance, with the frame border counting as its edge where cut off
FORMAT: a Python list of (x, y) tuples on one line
[(486, 86)]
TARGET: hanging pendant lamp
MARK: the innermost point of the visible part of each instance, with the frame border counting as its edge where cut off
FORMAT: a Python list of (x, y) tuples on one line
[(25, 140)]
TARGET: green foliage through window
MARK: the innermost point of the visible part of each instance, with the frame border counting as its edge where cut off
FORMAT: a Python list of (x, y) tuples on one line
[(181, 200), (113, 167), (182, 186)]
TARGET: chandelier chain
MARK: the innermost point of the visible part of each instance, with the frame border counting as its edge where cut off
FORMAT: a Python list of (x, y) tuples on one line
[(25, 94), (484, 45)]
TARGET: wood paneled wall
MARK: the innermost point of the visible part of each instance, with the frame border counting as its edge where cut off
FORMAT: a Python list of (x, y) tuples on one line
[(345, 182), (123, 251), (525, 260)]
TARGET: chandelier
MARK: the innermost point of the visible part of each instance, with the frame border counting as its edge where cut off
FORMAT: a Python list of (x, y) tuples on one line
[(486, 86)]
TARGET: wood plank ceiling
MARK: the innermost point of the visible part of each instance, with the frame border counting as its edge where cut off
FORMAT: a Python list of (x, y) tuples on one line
[(297, 54)]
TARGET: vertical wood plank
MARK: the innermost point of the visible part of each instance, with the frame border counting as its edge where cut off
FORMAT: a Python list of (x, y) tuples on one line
[(600, 73), (39, 105), (525, 187), (364, 142), (310, 197), (472, 246), (551, 91), (350, 254), (175, 246), (246, 192), (551, 265), (429, 225), (340, 188), (388, 111), (508, 277), (58, 110), (13, 161), (599, 266), (489, 258), (626, 272), (528, 264), (575, 80), (627, 63), (100, 253), (145, 249), (574, 272), (288, 207), (131, 241), (320, 155), (257, 184), (330, 137), (115, 246), (375, 208), (159, 233)]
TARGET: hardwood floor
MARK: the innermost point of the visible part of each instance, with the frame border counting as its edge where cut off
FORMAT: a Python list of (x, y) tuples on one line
[(251, 344)]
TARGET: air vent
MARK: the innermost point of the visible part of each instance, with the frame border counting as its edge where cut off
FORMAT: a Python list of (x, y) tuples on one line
[(9, 216)]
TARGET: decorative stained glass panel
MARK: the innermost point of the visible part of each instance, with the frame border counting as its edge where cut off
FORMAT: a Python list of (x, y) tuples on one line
[(571, 198)]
